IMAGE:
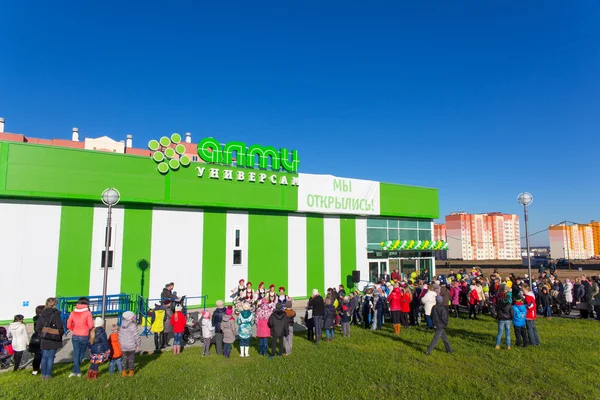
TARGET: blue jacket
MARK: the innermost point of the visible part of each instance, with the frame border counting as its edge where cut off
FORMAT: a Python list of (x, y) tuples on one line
[(519, 315), (100, 344)]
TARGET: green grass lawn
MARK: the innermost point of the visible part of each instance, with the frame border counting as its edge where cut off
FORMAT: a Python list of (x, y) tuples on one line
[(369, 365)]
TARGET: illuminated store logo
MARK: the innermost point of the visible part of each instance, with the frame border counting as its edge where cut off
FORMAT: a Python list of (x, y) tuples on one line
[(237, 153), (169, 154)]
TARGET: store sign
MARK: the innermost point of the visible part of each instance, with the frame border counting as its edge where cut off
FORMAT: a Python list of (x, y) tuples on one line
[(211, 151), (170, 154), (328, 194), (260, 177)]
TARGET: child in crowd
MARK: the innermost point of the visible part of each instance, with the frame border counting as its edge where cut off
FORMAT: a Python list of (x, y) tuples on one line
[(473, 302), (34, 343), (116, 353), (262, 328), (17, 331), (208, 332), (346, 318), (158, 326), (229, 330), (6, 351), (545, 301), (245, 321), (178, 323), (328, 320), (99, 348), (519, 313), (531, 316), (130, 341), (455, 298)]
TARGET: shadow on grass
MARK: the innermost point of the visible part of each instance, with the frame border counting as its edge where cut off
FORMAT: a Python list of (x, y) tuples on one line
[(470, 336)]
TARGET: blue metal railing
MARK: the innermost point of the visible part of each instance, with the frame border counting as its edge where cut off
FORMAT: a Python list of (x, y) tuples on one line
[(143, 306), (116, 304)]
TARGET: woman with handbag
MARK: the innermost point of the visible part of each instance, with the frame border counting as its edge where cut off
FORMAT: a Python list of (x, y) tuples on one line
[(51, 331)]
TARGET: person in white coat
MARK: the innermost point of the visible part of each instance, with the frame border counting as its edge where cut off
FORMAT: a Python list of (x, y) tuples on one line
[(17, 332), (568, 289), (428, 302)]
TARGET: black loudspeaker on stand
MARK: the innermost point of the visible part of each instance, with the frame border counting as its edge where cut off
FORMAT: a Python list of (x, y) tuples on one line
[(356, 276)]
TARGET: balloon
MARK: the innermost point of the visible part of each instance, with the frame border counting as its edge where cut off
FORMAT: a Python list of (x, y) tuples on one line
[(458, 276), (486, 289), (509, 284), (413, 275)]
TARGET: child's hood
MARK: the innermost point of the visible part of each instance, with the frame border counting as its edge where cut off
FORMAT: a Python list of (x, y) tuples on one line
[(246, 314), (127, 323), (80, 308), (226, 318), (15, 326)]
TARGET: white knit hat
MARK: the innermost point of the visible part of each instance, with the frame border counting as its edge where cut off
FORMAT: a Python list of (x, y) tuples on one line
[(98, 322)]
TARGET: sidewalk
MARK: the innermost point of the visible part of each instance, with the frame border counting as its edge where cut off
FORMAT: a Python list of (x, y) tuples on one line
[(65, 354)]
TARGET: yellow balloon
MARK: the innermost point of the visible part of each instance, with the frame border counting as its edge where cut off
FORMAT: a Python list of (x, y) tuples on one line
[(458, 276), (509, 284)]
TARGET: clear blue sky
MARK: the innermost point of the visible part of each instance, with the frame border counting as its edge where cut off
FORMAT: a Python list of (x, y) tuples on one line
[(481, 99)]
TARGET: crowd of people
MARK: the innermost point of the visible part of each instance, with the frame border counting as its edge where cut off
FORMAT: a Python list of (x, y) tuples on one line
[(408, 301)]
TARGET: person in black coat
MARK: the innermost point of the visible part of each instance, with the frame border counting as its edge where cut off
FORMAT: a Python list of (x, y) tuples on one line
[(278, 323), (35, 342), (51, 330), (439, 315), (318, 311), (217, 317)]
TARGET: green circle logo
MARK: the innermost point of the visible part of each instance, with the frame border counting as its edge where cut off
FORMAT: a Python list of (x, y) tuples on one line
[(169, 153)]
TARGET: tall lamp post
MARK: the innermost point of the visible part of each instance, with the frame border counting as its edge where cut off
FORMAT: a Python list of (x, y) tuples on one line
[(110, 197), (525, 199)]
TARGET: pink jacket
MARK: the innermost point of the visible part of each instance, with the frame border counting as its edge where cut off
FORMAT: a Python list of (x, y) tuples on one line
[(262, 318), (80, 321)]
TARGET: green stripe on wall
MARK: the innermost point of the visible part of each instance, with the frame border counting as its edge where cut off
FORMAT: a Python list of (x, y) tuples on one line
[(268, 249), (137, 242), (315, 254), (347, 249), (74, 249), (213, 255)]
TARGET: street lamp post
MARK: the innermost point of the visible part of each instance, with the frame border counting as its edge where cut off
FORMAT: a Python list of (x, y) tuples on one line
[(110, 197), (525, 199)]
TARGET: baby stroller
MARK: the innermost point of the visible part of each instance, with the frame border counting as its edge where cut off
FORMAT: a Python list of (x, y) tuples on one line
[(193, 329), (559, 304), (6, 351)]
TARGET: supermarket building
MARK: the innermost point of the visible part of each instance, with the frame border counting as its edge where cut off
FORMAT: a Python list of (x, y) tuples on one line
[(205, 222)]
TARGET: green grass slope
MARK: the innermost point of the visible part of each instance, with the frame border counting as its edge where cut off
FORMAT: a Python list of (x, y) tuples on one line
[(369, 365)]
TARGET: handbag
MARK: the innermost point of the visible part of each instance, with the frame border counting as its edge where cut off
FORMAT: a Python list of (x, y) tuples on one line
[(309, 314), (9, 349), (50, 331)]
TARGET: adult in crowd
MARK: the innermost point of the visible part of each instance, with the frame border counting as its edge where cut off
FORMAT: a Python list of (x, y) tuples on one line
[(80, 323), (51, 331), (395, 300), (396, 275), (585, 304), (504, 314), (217, 318), (405, 307), (440, 321), (568, 291), (167, 293), (595, 298), (428, 300), (34, 342), (288, 340), (278, 323), (385, 276), (317, 305)]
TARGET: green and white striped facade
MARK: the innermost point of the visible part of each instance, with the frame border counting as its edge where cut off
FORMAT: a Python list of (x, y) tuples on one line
[(203, 234)]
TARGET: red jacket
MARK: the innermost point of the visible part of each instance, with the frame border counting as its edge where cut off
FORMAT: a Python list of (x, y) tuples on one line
[(395, 299), (473, 297), (80, 321), (405, 306), (179, 324), (531, 306), (395, 276)]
